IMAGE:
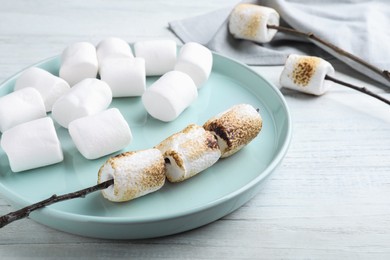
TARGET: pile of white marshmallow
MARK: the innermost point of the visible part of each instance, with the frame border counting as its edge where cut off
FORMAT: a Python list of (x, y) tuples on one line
[(79, 101)]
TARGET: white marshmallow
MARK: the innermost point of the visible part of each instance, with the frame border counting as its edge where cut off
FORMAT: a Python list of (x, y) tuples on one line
[(235, 128), (306, 74), (249, 22), (189, 152), (168, 96), (49, 86), (101, 134), (135, 174), (113, 47), (31, 145), (159, 55), (88, 97), (19, 107), (126, 77), (195, 60), (78, 62)]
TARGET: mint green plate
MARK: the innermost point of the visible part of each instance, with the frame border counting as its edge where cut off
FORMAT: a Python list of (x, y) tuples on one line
[(175, 208)]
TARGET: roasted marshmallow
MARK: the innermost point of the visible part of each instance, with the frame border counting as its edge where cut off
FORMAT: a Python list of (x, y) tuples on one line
[(113, 47), (88, 97), (78, 62), (168, 96), (19, 107), (49, 86), (235, 128), (189, 152), (31, 145), (159, 55), (135, 174), (195, 60), (101, 134), (306, 74), (126, 77), (249, 22)]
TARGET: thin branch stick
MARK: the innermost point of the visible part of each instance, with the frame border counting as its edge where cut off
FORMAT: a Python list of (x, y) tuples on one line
[(361, 89), (384, 73), (25, 212)]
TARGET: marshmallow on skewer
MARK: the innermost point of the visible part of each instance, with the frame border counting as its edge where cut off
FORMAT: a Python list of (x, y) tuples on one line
[(78, 62), (19, 107), (101, 134), (126, 77), (49, 86), (88, 97), (235, 128), (189, 152), (113, 47), (306, 74), (195, 60), (168, 96), (159, 55), (31, 145), (135, 174), (249, 22)]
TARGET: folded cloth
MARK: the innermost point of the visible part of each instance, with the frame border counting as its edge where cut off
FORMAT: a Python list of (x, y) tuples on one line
[(357, 26)]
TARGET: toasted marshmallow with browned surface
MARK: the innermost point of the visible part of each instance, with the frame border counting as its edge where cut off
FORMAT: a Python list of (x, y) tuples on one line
[(306, 74), (189, 152), (249, 22), (135, 174), (235, 128)]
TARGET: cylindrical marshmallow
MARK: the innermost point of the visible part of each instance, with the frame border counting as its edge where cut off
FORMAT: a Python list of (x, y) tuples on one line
[(249, 22), (101, 134), (88, 97), (19, 107), (189, 152), (113, 47), (168, 96), (78, 62), (159, 55), (31, 145), (195, 60), (306, 74), (235, 128), (125, 76), (135, 174), (49, 86)]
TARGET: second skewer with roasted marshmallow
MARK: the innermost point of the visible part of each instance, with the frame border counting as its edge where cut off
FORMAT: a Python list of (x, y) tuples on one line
[(189, 152), (249, 22), (306, 74)]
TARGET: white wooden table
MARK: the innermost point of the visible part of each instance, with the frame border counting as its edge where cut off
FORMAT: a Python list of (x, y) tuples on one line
[(330, 199)]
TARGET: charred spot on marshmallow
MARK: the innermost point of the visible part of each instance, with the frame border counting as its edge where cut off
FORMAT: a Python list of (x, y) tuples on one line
[(212, 142), (304, 70), (176, 157)]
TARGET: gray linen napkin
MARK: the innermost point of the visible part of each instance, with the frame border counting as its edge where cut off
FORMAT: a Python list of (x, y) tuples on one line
[(357, 26)]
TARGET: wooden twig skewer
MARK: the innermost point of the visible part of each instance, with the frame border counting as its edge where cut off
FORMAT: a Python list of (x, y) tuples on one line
[(361, 89), (384, 73), (25, 212)]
